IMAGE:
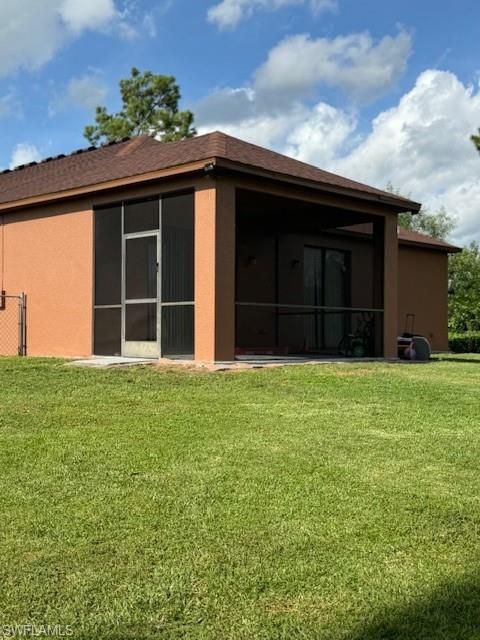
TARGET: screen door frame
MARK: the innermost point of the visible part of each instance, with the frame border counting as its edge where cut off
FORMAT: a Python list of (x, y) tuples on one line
[(141, 348)]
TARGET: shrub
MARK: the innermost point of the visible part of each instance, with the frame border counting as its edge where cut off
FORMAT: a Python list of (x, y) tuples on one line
[(467, 342)]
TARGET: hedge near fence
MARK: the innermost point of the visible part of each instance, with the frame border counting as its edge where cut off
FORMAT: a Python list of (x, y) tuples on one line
[(468, 342)]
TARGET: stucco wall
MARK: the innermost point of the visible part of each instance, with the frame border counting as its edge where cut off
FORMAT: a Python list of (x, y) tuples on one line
[(423, 291), (48, 255)]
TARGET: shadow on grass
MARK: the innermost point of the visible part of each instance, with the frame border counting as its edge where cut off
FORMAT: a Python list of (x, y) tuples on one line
[(460, 358), (452, 612)]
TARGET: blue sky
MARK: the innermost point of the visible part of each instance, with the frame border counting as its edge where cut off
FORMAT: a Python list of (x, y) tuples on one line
[(380, 91)]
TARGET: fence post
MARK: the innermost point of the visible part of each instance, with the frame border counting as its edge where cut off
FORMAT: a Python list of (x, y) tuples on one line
[(22, 325)]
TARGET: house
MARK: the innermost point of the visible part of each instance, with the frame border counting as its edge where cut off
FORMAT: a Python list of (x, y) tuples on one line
[(209, 248)]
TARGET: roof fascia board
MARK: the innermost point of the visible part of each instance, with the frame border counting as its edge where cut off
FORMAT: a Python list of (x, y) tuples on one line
[(217, 163), (409, 205), (185, 169), (446, 248)]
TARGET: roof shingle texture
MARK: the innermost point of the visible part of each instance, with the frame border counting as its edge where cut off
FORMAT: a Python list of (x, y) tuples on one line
[(408, 236), (143, 154)]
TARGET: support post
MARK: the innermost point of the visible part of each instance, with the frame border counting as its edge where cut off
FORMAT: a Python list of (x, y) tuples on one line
[(385, 290), (215, 270)]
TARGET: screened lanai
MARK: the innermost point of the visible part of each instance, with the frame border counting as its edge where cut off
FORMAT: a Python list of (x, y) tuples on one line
[(308, 279)]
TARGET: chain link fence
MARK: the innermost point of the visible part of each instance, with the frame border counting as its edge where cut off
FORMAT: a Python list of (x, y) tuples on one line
[(13, 324)]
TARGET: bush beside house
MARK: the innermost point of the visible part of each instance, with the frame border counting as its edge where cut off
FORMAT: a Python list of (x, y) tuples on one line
[(466, 342)]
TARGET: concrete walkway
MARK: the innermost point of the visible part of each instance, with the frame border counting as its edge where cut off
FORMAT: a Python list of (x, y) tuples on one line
[(241, 363), (102, 362)]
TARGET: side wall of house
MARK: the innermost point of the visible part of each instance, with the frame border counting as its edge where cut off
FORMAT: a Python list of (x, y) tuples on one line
[(423, 291), (47, 253)]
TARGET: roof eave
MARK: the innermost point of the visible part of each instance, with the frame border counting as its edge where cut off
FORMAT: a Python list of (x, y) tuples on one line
[(445, 248), (399, 205), (78, 192), (395, 204)]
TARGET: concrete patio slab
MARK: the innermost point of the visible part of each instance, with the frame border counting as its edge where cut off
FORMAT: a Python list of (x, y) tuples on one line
[(102, 362)]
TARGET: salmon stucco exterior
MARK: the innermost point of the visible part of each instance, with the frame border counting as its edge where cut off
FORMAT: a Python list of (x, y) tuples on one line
[(211, 248)]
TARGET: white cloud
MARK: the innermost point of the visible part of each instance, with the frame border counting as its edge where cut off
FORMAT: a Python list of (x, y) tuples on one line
[(132, 22), (273, 107), (355, 63), (23, 154), (319, 138), (294, 70), (229, 13), (421, 145), (87, 14), (31, 32), (86, 92), (268, 130)]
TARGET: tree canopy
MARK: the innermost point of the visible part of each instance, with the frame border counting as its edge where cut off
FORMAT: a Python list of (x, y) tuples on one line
[(464, 289), (438, 225), (150, 107)]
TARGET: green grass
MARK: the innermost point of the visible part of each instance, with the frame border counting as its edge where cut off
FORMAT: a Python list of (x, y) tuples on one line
[(327, 502)]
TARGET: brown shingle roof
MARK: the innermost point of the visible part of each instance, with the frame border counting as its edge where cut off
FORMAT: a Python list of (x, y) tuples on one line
[(141, 155), (406, 236)]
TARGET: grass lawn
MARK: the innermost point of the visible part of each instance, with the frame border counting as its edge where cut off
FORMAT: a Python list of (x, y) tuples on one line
[(327, 502)]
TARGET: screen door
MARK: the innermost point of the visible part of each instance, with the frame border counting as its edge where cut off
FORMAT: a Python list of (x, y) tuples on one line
[(140, 324)]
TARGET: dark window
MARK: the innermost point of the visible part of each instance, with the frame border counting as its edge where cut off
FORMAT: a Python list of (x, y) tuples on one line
[(177, 248), (141, 268), (177, 331), (108, 255), (141, 216), (141, 322), (107, 338)]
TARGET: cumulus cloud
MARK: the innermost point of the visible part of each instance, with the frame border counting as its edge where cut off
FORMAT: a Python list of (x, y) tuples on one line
[(87, 14), (23, 154), (322, 135), (361, 67), (295, 69), (229, 13), (32, 32), (86, 92), (274, 105), (421, 145)]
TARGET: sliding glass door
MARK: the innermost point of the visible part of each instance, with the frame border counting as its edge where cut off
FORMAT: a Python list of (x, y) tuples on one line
[(144, 297), (326, 281)]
